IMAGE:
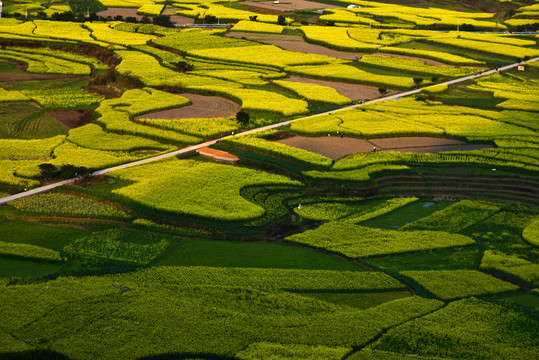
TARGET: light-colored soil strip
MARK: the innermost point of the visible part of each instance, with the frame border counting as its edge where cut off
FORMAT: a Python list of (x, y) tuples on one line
[(335, 147), (295, 43), (218, 155), (351, 91), (120, 11), (291, 5), (177, 19), (201, 107)]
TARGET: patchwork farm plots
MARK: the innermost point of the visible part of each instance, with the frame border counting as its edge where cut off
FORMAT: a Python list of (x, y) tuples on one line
[(366, 186)]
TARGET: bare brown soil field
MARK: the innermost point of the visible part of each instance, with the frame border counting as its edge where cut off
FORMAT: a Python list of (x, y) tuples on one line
[(295, 43), (291, 5), (201, 107), (120, 11), (72, 118), (335, 147), (351, 91), (171, 11)]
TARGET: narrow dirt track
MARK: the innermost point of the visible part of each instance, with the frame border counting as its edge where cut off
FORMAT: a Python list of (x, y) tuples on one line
[(190, 149)]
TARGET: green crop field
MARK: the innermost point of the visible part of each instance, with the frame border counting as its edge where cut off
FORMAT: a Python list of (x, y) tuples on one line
[(251, 181)]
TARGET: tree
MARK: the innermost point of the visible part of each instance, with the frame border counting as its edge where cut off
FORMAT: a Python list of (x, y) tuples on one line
[(281, 20), (93, 17), (253, 18), (145, 20), (418, 80), (434, 79), (210, 19), (162, 20), (118, 18), (382, 91), (184, 66), (47, 170), (131, 19), (243, 118)]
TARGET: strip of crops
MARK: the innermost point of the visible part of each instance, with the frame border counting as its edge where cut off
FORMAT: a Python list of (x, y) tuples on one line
[(531, 232), (335, 37), (116, 245), (477, 329), (348, 17), (196, 188), (435, 89), (62, 30), (262, 55), (43, 64), (65, 55), (120, 122), (17, 27), (151, 9), (265, 350), (257, 27), (358, 241), (204, 127), (248, 78), (362, 174), (92, 136), (8, 169), (377, 36), (14, 149), (456, 284), (314, 92), (270, 279), (349, 73), (29, 252), (511, 264), (511, 51), (259, 144), (102, 32), (260, 100), (66, 204), (158, 305), (187, 41), (147, 69), (12, 96), (352, 212), (456, 217), (434, 55), (414, 66)]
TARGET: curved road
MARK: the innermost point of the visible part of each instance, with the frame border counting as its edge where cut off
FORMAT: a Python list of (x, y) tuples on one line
[(281, 124)]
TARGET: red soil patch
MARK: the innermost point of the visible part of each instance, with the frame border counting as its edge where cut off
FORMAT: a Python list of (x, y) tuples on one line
[(351, 91), (201, 107), (294, 43), (72, 118), (335, 147), (217, 154)]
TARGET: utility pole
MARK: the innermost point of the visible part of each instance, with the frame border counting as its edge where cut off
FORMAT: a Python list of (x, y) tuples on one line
[(458, 25)]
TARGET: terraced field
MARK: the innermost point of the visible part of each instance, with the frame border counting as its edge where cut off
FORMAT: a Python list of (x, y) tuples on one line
[(383, 201)]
